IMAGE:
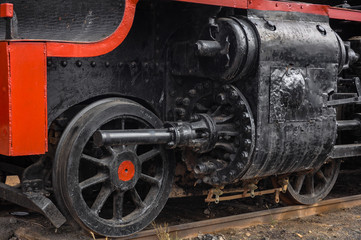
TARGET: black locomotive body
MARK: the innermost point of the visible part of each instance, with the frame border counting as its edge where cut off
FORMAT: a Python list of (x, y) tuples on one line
[(197, 98)]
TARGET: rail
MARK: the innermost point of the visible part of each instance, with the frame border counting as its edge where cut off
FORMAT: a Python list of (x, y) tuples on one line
[(250, 219)]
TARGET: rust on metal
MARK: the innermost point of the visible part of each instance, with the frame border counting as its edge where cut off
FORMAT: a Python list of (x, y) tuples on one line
[(244, 194)]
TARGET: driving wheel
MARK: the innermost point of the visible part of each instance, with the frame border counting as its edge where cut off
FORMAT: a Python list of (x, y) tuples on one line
[(111, 190), (312, 187)]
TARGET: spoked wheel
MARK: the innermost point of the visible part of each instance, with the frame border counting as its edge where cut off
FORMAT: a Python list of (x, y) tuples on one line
[(111, 190), (312, 187)]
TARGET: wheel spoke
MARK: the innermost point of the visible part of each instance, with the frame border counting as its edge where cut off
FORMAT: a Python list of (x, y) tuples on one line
[(97, 161), (136, 198), (133, 147), (321, 176), (299, 182), (309, 184), (99, 178), (118, 201), (102, 197), (148, 155), (217, 111), (150, 179)]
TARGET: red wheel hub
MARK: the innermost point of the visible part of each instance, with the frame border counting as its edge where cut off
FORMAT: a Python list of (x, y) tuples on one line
[(126, 171)]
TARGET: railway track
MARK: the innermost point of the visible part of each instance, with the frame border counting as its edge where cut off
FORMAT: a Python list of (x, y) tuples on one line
[(250, 219)]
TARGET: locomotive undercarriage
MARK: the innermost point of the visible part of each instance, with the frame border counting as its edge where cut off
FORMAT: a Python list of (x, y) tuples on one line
[(218, 98)]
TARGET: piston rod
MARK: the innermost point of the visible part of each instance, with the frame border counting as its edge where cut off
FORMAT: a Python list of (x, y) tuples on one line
[(133, 136), (200, 134), (343, 125)]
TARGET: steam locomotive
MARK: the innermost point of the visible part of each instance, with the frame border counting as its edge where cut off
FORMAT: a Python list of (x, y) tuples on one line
[(110, 107)]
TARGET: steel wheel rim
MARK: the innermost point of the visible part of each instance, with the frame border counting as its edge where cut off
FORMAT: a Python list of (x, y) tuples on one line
[(309, 188)]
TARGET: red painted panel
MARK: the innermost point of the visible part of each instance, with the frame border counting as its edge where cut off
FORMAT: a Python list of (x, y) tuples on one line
[(287, 6), (23, 100), (225, 3), (6, 10), (344, 14), (4, 100), (27, 103), (267, 5)]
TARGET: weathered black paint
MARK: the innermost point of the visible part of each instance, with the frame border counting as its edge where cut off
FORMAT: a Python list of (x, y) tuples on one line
[(65, 20)]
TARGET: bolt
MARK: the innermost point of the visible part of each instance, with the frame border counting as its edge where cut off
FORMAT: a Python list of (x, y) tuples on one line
[(133, 65), (192, 92), (205, 135), (171, 144), (241, 104), (181, 112), (244, 155), (107, 64), (206, 180), (247, 142), (93, 64), (49, 63), (234, 95), (194, 118), (78, 63), (221, 98), (245, 115), (239, 165), (247, 129), (271, 26), (64, 63), (321, 29), (186, 101)]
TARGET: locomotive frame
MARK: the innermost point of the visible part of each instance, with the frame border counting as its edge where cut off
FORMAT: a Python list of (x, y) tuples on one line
[(103, 103)]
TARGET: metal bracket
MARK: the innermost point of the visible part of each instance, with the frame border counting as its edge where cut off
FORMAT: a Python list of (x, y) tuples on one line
[(7, 12), (352, 100), (34, 201), (214, 196)]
